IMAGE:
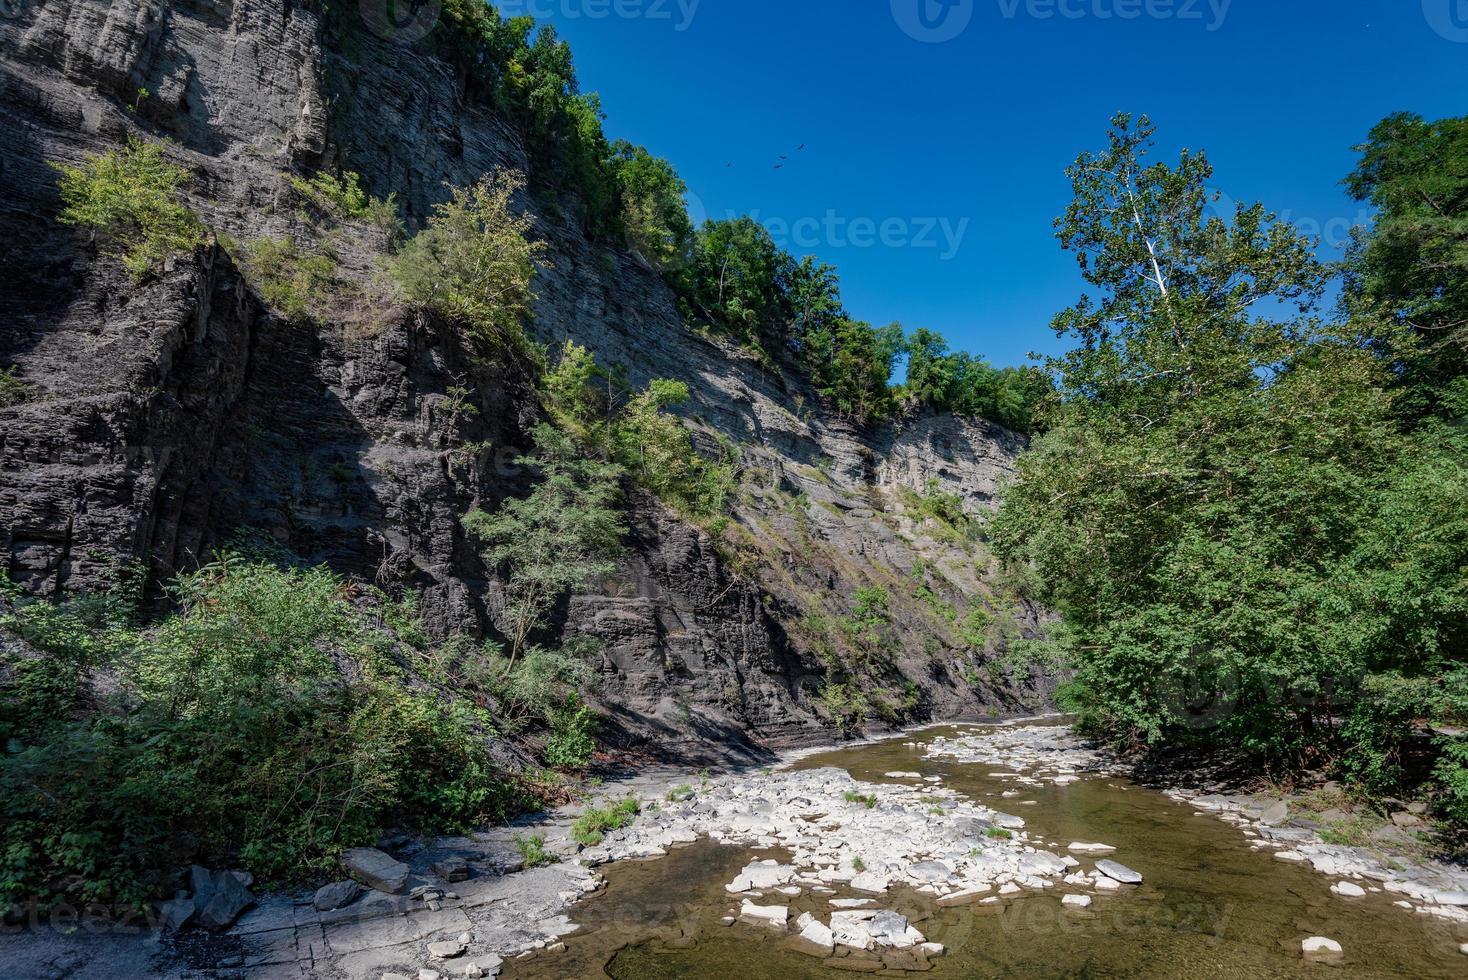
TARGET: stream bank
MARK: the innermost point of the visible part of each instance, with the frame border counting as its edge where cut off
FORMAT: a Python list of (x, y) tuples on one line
[(963, 851)]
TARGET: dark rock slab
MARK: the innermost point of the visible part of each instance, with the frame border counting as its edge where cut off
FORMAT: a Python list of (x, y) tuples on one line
[(376, 869)]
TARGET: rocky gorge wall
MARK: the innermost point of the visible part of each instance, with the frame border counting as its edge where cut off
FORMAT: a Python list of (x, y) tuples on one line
[(158, 417)]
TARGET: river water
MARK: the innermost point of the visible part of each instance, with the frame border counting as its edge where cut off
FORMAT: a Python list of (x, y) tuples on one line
[(1210, 906)]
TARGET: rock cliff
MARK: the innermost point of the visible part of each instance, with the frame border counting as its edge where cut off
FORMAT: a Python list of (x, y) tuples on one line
[(158, 417)]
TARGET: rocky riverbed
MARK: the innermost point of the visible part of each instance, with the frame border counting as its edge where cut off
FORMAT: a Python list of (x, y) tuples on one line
[(949, 850)]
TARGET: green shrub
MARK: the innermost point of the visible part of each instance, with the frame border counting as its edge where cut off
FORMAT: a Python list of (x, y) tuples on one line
[(864, 627), (974, 628), (868, 799), (130, 199), (566, 390), (1451, 774), (289, 278), (532, 851), (544, 680), (474, 262), (680, 794), (344, 196), (655, 447), (846, 706), (652, 445), (998, 833), (592, 826), (261, 726), (12, 389), (571, 741), (945, 510)]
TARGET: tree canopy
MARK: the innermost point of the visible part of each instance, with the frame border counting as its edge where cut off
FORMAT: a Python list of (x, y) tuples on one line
[(1245, 544)]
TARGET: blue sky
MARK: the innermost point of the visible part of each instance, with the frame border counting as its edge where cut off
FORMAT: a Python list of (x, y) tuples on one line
[(933, 166)]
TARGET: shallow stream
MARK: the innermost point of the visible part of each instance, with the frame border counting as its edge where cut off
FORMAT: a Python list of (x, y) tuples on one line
[(1210, 906)]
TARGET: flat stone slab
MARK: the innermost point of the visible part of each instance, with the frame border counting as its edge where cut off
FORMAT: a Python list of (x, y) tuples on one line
[(1119, 872), (930, 871), (1275, 815), (967, 896), (354, 937), (376, 869), (768, 916), (447, 950)]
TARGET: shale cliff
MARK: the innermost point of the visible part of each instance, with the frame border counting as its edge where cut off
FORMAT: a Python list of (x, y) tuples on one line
[(160, 416)]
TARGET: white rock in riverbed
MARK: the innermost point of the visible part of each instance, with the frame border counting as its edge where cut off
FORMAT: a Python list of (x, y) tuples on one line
[(1321, 948), (850, 929), (1119, 872), (964, 896), (1347, 889), (447, 950), (930, 871), (1076, 901), (769, 916), (889, 928), (815, 936), (1080, 847), (760, 875)]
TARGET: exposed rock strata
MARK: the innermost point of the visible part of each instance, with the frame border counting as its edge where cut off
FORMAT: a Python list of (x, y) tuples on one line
[(161, 416)]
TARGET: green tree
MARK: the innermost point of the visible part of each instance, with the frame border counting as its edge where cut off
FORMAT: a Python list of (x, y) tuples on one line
[(931, 371), (653, 208), (561, 537), (857, 382), (1412, 267), (814, 297), (966, 385), (737, 279), (474, 262), (1196, 509)]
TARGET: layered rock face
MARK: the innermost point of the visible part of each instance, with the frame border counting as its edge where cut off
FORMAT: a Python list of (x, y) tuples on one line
[(160, 417)]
